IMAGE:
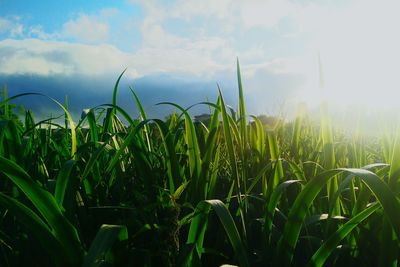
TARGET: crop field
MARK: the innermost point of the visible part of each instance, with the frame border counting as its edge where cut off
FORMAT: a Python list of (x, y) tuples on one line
[(116, 189)]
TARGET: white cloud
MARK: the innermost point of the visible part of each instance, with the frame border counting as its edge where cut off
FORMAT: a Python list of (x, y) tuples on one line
[(163, 51), (12, 26), (87, 29), (257, 13), (228, 14), (204, 54), (33, 56), (16, 31), (38, 32), (188, 9), (160, 51)]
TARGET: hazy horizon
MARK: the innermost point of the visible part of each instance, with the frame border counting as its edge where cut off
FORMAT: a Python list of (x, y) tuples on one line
[(178, 51)]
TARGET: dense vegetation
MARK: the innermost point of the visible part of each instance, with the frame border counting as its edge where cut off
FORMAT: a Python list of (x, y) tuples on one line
[(182, 192)]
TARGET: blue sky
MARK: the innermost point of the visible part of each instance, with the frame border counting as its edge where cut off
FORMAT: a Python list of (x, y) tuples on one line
[(80, 47)]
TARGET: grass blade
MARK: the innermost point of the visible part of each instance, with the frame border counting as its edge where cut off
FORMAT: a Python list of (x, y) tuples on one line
[(62, 181), (197, 228), (47, 206), (103, 242), (37, 227), (389, 202), (320, 256)]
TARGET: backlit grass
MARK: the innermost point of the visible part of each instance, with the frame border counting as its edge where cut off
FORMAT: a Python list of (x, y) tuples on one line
[(178, 192)]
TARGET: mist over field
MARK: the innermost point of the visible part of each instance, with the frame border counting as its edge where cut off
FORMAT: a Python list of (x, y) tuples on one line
[(86, 92)]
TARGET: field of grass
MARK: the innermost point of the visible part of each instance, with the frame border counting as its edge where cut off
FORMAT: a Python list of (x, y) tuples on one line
[(179, 192)]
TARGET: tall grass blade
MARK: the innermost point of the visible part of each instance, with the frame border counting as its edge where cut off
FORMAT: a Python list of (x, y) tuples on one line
[(321, 255), (103, 242), (232, 157), (389, 202), (63, 181), (197, 230), (37, 227), (143, 117), (47, 206)]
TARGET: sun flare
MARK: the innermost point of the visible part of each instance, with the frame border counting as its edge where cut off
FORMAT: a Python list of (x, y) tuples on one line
[(360, 56)]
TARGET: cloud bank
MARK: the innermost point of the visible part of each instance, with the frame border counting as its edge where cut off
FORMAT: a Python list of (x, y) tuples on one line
[(277, 43)]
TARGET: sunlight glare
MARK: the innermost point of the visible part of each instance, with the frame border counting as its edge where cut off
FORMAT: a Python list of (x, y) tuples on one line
[(359, 47)]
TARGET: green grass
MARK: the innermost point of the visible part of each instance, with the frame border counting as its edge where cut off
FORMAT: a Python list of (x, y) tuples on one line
[(177, 192)]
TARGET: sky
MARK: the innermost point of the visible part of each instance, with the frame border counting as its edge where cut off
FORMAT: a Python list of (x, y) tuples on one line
[(178, 50)]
